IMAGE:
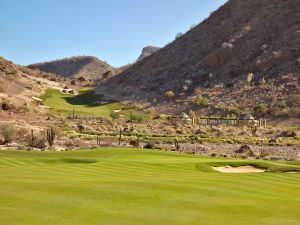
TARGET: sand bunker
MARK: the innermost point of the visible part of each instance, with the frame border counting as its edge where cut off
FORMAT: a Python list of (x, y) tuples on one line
[(37, 99), (240, 169)]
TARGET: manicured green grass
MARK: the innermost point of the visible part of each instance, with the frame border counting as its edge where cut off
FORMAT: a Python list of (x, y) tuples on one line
[(123, 186), (86, 103)]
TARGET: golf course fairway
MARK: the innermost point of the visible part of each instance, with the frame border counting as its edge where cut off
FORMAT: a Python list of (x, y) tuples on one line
[(138, 186)]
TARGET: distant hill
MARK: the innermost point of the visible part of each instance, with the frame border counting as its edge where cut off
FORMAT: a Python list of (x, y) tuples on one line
[(147, 51), (87, 67), (214, 59)]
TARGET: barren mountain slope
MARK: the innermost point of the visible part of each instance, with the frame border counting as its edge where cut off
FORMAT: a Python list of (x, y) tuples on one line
[(258, 36), (87, 67), (214, 59)]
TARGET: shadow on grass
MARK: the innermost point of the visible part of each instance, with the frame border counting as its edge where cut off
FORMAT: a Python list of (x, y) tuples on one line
[(89, 99), (68, 161)]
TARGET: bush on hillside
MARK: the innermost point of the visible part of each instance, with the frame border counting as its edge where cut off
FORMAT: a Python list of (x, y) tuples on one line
[(8, 132), (260, 109), (114, 115), (149, 145), (136, 117), (169, 94), (201, 101)]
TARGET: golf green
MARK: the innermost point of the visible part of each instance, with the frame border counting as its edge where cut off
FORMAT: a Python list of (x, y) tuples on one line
[(84, 104), (136, 187)]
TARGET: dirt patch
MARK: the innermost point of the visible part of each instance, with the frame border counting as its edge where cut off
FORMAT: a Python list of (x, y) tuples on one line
[(240, 169)]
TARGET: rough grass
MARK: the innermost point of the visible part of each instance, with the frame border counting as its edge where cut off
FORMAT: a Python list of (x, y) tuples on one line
[(86, 103), (123, 186)]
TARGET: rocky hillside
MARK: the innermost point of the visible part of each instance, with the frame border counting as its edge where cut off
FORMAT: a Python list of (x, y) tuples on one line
[(20, 87), (147, 51), (84, 67), (238, 56)]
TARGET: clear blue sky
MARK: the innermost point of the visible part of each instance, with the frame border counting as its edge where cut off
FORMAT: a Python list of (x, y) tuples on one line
[(112, 30)]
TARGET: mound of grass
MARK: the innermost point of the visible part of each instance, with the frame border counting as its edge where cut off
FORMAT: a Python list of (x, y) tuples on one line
[(86, 103), (138, 186)]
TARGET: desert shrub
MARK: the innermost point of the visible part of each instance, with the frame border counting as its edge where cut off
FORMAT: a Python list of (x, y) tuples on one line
[(262, 82), (136, 117), (8, 132), (69, 144), (40, 143), (149, 145), (80, 127), (260, 109), (134, 143), (24, 134), (114, 115), (169, 95), (201, 101)]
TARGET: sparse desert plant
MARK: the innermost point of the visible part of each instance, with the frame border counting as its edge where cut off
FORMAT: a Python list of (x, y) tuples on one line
[(235, 111), (260, 109), (149, 145), (253, 130), (169, 95), (262, 82), (249, 78), (51, 134), (80, 127), (201, 101), (8, 132), (40, 143), (177, 145), (114, 115), (23, 134), (136, 117)]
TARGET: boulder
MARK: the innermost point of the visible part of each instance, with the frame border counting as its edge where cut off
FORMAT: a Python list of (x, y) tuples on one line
[(245, 150), (288, 134)]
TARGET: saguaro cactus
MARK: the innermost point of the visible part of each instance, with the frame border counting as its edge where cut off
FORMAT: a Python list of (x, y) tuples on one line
[(50, 136), (98, 140), (253, 130), (32, 138), (120, 136), (177, 145)]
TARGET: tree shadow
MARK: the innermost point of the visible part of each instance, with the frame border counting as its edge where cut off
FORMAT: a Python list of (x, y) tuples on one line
[(89, 99)]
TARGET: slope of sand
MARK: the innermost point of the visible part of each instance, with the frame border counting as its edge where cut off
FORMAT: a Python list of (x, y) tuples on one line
[(240, 169)]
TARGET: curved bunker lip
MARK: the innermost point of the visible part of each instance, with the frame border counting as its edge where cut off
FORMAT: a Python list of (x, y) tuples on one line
[(240, 169)]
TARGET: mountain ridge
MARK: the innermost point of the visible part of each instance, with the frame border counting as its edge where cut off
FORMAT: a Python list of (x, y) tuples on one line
[(86, 67)]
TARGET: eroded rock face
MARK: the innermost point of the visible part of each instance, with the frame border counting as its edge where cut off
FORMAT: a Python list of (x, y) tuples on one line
[(147, 51)]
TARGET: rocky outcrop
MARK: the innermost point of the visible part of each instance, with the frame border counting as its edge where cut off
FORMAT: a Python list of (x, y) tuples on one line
[(147, 51)]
